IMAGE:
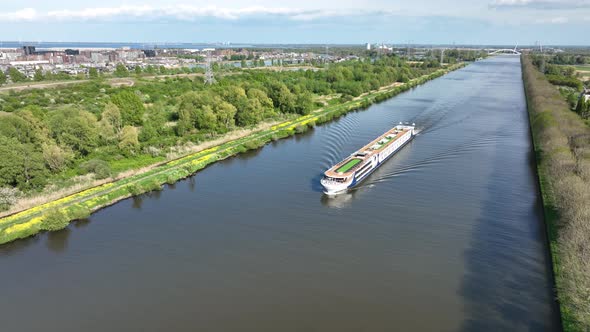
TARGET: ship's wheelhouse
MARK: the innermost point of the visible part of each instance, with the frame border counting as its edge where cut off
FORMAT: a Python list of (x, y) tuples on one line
[(335, 179)]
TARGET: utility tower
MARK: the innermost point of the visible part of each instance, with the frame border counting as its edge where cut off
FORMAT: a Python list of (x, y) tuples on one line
[(209, 79)]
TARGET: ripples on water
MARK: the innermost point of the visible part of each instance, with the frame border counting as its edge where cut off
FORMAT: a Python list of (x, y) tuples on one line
[(445, 236)]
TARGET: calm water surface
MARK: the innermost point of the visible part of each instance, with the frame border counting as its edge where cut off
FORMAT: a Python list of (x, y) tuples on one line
[(446, 236)]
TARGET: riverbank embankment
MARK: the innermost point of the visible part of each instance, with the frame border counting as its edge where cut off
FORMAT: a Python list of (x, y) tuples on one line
[(562, 149), (58, 213)]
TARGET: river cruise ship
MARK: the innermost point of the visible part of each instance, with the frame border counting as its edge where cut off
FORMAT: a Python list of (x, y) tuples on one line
[(357, 167)]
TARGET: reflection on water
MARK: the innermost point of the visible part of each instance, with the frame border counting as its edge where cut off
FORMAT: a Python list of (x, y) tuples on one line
[(191, 183), (445, 236), (338, 201), (58, 241), (137, 201), (15, 246), (81, 223), (155, 194)]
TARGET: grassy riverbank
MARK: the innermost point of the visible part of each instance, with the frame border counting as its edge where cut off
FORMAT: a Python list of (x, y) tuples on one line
[(562, 147), (58, 213)]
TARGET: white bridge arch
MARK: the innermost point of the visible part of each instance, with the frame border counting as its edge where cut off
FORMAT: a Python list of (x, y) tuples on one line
[(505, 51)]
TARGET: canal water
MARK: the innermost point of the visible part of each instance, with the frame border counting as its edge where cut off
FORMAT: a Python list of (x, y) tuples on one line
[(446, 236)]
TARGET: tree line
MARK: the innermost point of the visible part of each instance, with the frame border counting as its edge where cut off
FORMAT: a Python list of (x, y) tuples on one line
[(562, 147)]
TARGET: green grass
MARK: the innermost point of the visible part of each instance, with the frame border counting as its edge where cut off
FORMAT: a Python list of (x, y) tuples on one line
[(583, 67), (350, 164), (135, 162), (80, 205)]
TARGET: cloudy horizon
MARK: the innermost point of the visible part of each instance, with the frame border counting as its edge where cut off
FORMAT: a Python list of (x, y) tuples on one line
[(420, 22)]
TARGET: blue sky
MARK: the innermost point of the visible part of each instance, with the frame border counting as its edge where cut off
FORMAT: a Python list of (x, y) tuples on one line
[(303, 21)]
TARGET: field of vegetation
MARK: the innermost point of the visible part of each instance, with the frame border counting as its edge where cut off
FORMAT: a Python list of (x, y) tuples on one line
[(562, 145), (57, 138), (568, 78), (81, 137)]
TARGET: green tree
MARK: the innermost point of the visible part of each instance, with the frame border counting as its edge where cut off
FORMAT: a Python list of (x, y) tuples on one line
[(257, 106), (39, 75), (262, 97), (185, 122), (205, 111), (129, 139), (233, 94), (204, 118), (130, 106), (92, 72), (138, 70), (16, 127), (303, 103), (195, 111), (121, 70), (282, 97), (10, 167), (35, 117), (21, 165), (225, 115), (75, 129), (54, 220), (100, 168), (110, 123), (55, 157), (33, 173), (155, 124), (3, 78), (243, 64), (15, 75), (250, 114)]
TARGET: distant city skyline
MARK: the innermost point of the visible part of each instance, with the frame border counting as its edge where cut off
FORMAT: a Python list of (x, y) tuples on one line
[(505, 22)]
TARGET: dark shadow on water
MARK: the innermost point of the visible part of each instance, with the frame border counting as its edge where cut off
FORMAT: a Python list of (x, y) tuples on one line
[(305, 135), (508, 285), (246, 155), (81, 223), (58, 241), (192, 184), (137, 202), (17, 246), (155, 194)]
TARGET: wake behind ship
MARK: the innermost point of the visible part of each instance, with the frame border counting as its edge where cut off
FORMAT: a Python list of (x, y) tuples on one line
[(357, 167)]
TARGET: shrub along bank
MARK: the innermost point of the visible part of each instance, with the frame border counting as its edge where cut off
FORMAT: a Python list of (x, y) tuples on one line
[(562, 147), (57, 214)]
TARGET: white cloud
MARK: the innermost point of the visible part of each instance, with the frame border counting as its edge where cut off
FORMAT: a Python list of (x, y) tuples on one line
[(553, 20), (179, 12), (26, 14), (540, 4)]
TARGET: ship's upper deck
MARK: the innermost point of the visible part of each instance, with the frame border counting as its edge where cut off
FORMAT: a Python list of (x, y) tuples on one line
[(356, 160)]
